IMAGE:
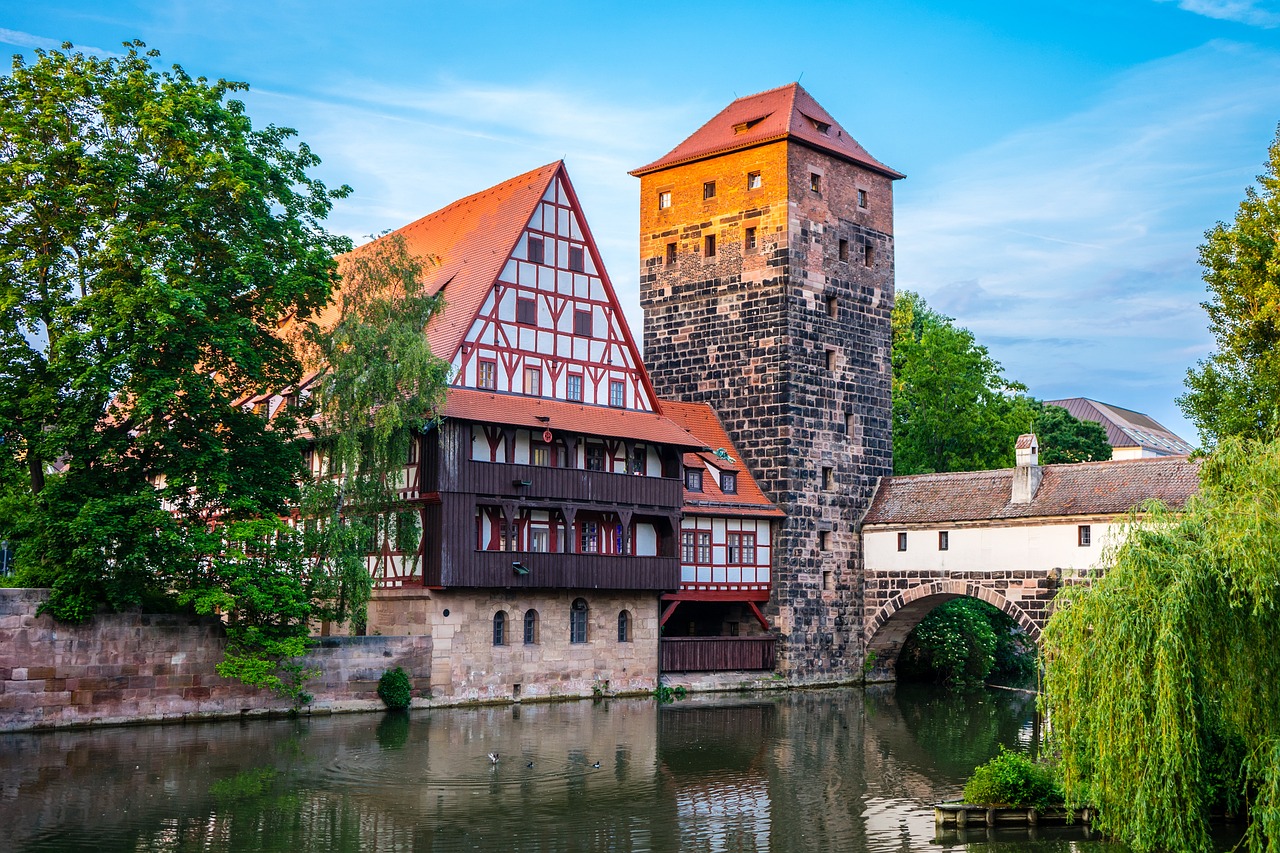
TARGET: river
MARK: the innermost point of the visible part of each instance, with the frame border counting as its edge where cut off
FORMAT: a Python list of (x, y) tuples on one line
[(821, 770)]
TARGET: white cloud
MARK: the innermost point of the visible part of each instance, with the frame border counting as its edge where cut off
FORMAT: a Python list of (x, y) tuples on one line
[(1255, 13), (1086, 229), (21, 39)]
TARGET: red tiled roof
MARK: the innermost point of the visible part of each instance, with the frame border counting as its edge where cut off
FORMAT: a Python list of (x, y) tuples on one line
[(1125, 427), (517, 410), (786, 112), (1086, 488), (465, 246), (700, 420)]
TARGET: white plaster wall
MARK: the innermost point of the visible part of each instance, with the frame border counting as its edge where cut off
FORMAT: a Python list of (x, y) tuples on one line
[(1051, 545)]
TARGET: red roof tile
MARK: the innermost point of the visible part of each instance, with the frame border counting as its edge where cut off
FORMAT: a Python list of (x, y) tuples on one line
[(1086, 488), (518, 410), (700, 420), (788, 112)]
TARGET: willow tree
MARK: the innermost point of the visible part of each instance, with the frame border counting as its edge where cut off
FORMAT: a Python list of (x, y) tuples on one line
[(1163, 677)]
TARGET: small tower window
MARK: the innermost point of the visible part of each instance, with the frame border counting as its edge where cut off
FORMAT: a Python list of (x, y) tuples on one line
[(869, 255), (671, 254), (902, 541), (862, 198), (844, 250), (536, 253), (753, 181), (831, 360), (708, 190), (576, 256), (709, 245), (749, 239), (828, 478), (815, 182), (833, 306), (944, 540), (664, 199), (824, 540)]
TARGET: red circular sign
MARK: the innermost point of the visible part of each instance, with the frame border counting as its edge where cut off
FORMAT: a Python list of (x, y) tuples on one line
[(546, 436)]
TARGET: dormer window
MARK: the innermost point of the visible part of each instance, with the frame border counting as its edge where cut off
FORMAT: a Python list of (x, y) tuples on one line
[(693, 479), (729, 483), (744, 126)]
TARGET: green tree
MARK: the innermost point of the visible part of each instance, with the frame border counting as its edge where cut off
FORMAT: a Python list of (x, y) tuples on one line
[(1065, 438), (953, 408), (151, 242), (1236, 390), (964, 642), (1163, 677)]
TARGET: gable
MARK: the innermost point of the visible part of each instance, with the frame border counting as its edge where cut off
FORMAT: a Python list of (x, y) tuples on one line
[(549, 324)]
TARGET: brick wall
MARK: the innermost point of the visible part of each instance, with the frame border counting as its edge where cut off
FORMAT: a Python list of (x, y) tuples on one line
[(749, 331), (133, 667)]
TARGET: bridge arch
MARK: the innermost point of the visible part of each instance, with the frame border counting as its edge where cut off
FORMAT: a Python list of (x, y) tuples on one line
[(888, 628)]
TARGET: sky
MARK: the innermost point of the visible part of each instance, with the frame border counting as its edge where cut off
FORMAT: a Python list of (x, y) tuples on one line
[(1063, 159)]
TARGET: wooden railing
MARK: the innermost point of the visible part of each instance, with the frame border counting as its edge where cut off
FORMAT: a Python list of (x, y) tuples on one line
[(716, 654)]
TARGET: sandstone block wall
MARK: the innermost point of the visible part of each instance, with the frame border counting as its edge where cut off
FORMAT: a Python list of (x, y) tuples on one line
[(134, 667)]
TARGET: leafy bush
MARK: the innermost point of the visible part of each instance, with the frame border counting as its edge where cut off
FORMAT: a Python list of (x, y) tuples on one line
[(1012, 780), (395, 689), (964, 642)]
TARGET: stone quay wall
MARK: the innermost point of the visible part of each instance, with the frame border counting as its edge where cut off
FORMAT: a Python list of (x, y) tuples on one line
[(136, 667)]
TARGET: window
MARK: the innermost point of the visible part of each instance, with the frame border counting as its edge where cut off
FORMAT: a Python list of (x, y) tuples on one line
[(412, 458), (709, 245), (848, 423), (693, 479), (831, 359), (868, 255), (540, 454), (526, 311), (664, 199), (833, 306), (537, 251), (695, 547), (576, 259), (815, 182), (582, 322), (902, 541), (1084, 536), (624, 626), (530, 627), (749, 239), (589, 538), (595, 457), (741, 548), (540, 539), (500, 628), (671, 253), (828, 478), (824, 540), (708, 190), (578, 621), (639, 456), (944, 540), (828, 581), (487, 374), (753, 180), (862, 198), (844, 250), (617, 393), (574, 389), (533, 381), (729, 483)]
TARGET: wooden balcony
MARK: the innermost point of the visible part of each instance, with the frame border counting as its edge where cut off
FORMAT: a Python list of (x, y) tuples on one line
[(716, 654), (572, 571), (561, 484)]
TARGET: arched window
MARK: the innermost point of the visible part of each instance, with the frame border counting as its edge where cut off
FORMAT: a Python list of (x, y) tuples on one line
[(578, 621), (500, 628), (624, 627), (530, 627)]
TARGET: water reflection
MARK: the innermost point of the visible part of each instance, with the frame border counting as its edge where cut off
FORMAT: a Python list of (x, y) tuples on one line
[(815, 770)]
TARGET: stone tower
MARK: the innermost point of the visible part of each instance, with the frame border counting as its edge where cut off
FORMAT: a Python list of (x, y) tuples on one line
[(766, 279)]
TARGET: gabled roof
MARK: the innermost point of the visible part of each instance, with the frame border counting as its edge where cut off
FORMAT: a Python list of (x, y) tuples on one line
[(788, 112), (1085, 488), (700, 420), (1125, 427), (539, 413), (465, 246)]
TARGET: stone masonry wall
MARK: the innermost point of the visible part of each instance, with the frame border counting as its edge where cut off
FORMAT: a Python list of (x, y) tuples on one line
[(790, 343), (134, 667)]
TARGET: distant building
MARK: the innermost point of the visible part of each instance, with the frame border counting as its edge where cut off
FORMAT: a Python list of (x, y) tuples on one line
[(1132, 435)]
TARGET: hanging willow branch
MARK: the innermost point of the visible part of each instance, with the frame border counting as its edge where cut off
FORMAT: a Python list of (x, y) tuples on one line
[(1163, 678)]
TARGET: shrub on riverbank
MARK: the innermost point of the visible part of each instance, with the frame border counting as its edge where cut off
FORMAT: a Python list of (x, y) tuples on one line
[(394, 689), (1013, 780)]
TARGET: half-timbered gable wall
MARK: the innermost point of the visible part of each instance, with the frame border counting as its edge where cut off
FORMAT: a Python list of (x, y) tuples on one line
[(551, 325)]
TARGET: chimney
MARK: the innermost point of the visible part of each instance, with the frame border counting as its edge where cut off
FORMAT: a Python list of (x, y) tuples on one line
[(1026, 476)]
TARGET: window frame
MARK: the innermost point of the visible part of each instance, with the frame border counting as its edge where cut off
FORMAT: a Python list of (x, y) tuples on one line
[(584, 322), (577, 261), (500, 628), (708, 190), (487, 374), (692, 479), (749, 239), (754, 181), (944, 540), (617, 393), (531, 627), (1084, 535), (902, 540), (740, 548), (527, 310), (578, 621), (536, 255), (664, 199), (572, 389), (624, 627), (532, 381), (729, 482)]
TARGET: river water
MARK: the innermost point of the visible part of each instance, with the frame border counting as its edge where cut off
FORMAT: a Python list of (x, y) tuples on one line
[(824, 770)]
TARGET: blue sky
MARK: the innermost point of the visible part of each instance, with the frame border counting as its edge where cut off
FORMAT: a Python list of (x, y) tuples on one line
[(1063, 159)]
